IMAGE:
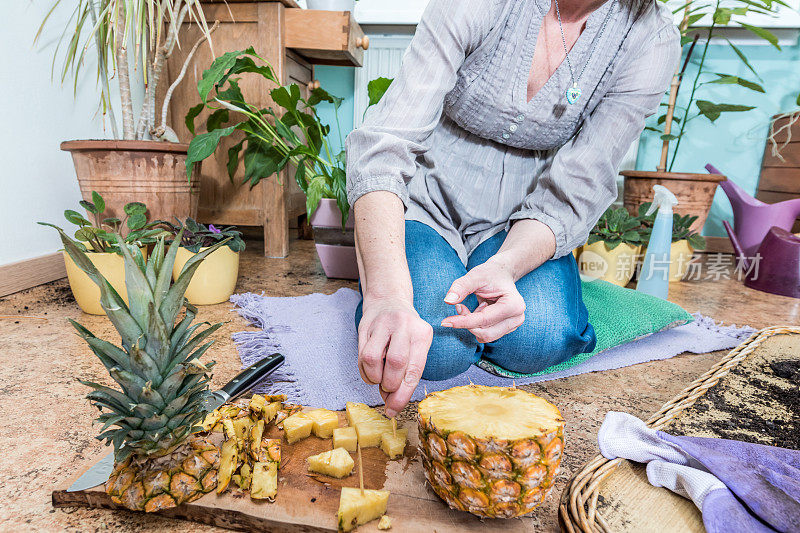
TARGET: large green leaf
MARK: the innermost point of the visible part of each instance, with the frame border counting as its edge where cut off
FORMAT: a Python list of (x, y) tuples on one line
[(727, 79), (246, 64), (219, 70), (217, 119), (191, 115), (376, 89), (287, 96), (764, 34), (233, 158), (203, 145), (261, 161), (712, 111)]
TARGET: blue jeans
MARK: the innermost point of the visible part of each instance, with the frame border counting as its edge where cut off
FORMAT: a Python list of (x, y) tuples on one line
[(556, 323)]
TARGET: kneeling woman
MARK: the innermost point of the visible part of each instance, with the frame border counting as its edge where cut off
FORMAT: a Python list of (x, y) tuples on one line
[(489, 159)]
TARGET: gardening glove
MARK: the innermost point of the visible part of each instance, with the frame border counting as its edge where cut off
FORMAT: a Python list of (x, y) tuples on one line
[(737, 486)]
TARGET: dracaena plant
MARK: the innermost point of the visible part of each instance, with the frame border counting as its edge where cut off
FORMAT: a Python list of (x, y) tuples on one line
[(292, 134), (615, 227), (99, 233), (196, 236), (681, 225), (109, 27), (698, 101)]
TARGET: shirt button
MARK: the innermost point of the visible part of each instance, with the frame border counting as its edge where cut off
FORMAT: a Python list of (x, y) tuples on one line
[(520, 118), (512, 128), (506, 136)]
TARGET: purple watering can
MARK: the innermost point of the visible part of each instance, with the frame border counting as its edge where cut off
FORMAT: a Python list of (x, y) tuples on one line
[(752, 218), (775, 267)]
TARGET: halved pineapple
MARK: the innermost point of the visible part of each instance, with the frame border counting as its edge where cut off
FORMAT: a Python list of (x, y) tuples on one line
[(492, 451), (385, 523), (228, 462), (394, 443), (345, 438), (324, 422), (334, 463), (296, 427), (357, 507), (269, 410), (370, 431), (359, 412), (264, 485)]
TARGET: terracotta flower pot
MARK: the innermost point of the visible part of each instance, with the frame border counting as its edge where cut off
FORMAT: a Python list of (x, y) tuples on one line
[(151, 172), (214, 280), (680, 253), (616, 266), (695, 192), (85, 291), (336, 247)]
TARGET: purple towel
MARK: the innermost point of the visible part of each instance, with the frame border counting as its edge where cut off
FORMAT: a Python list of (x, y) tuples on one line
[(738, 486)]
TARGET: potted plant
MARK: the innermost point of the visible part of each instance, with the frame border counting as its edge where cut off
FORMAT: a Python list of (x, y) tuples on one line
[(144, 160), (96, 237), (215, 280), (695, 191), (613, 247), (685, 240)]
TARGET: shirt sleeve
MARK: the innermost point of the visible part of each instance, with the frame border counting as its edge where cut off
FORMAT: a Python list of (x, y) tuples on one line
[(580, 183), (382, 153)]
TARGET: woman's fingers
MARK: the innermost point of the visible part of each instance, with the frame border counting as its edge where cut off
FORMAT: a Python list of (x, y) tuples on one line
[(493, 333), (370, 358), (463, 287), (421, 337), (397, 354), (486, 316)]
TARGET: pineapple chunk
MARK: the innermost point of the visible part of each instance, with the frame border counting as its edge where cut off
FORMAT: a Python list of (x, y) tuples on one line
[(264, 485), (273, 398), (256, 403), (359, 412), (345, 438), (356, 508), (334, 463), (228, 461), (297, 427), (211, 420), (256, 432), (393, 443), (385, 523), (370, 432), (324, 422), (268, 411), (242, 427)]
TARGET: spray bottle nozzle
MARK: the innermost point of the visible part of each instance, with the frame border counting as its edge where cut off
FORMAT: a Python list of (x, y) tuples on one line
[(663, 201)]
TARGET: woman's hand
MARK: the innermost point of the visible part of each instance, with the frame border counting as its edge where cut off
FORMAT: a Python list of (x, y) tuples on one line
[(393, 344), (501, 308)]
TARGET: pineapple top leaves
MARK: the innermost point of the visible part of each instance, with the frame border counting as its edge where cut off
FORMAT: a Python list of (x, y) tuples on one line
[(162, 381)]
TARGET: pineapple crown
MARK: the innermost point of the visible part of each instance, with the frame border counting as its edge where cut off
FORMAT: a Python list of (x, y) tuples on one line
[(158, 369)]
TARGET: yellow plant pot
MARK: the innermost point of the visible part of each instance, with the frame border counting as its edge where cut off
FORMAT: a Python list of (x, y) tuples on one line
[(85, 291), (680, 253), (616, 266), (214, 280)]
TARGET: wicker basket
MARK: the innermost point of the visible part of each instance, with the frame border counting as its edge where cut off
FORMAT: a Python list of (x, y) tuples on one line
[(578, 506)]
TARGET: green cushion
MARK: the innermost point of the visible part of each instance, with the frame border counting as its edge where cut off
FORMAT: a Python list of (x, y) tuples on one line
[(619, 315)]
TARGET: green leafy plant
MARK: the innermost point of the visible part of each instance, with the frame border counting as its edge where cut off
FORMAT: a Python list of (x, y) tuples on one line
[(107, 26), (615, 227), (196, 236), (713, 14), (100, 233), (295, 135), (376, 89), (680, 227)]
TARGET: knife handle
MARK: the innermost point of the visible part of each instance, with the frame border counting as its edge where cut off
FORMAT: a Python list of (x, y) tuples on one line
[(250, 376)]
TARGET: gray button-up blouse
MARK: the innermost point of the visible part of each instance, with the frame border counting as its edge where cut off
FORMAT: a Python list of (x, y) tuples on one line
[(457, 140)]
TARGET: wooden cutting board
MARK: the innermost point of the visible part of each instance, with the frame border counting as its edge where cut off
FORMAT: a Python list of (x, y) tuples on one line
[(309, 502)]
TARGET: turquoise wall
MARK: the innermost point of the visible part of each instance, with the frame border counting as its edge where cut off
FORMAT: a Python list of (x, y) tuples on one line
[(735, 142)]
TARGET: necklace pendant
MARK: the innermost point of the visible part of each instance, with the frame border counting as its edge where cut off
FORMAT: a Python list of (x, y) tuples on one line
[(573, 94)]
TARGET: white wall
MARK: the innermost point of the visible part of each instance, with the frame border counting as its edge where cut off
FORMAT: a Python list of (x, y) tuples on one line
[(37, 180)]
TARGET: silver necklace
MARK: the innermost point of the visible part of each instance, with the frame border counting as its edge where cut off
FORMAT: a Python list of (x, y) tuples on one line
[(574, 93)]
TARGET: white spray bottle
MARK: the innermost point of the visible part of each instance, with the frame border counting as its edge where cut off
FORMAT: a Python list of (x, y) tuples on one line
[(654, 276)]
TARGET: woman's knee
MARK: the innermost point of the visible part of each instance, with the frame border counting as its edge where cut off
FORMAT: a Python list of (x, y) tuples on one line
[(451, 353)]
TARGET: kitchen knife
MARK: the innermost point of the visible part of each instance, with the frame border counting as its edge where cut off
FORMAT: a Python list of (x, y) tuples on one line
[(243, 382)]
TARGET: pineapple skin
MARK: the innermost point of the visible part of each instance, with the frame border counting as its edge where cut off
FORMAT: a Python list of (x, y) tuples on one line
[(356, 509), (182, 476), (491, 478)]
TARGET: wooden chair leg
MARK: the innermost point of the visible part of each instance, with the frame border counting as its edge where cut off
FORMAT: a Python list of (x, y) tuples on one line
[(276, 221)]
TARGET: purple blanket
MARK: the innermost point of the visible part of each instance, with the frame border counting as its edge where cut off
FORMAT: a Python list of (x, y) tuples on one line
[(317, 335)]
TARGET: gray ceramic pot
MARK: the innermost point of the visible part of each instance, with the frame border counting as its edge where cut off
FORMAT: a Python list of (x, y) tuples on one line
[(335, 246)]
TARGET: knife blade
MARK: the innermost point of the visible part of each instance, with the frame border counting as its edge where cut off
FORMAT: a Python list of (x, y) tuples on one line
[(243, 382)]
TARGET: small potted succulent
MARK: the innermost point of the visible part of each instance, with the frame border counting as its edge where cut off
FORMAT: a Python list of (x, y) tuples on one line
[(96, 237), (215, 280), (613, 247), (684, 240)]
